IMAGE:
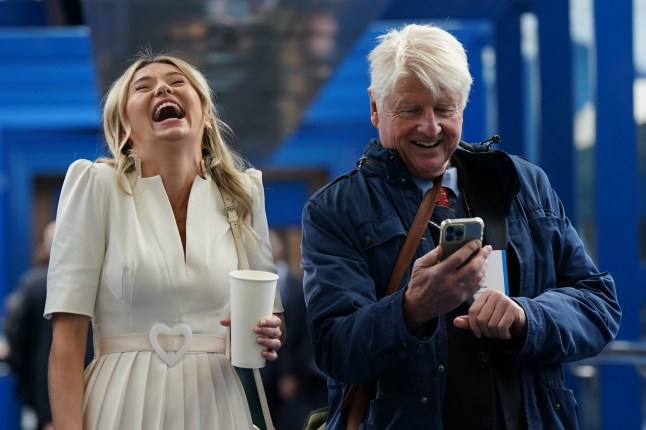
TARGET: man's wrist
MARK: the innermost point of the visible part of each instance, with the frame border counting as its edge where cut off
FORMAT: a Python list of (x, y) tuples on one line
[(413, 322)]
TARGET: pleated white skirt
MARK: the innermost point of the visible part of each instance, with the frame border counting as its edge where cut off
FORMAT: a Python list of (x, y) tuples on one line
[(137, 390)]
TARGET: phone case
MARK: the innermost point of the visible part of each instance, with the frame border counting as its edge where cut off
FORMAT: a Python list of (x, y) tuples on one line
[(454, 233)]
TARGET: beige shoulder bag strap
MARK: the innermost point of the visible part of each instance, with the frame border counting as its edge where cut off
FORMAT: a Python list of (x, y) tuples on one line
[(243, 264)]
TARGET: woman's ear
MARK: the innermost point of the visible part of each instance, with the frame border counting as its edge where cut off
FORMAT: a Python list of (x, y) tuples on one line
[(126, 148)]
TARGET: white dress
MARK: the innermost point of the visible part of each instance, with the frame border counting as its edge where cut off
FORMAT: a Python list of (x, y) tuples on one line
[(118, 258)]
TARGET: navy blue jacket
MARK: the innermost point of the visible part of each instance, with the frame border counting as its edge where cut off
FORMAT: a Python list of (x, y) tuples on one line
[(353, 229)]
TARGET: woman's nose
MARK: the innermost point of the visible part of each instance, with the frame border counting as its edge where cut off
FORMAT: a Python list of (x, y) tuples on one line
[(164, 89)]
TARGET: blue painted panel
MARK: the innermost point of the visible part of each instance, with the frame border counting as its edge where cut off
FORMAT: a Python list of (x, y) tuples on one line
[(284, 202), (45, 43), (48, 78), (50, 115), (37, 73)]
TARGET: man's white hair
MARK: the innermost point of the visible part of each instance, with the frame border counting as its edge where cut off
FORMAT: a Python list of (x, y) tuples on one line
[(430, 53)]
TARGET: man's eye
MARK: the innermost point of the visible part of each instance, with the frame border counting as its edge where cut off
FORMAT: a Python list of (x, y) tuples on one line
[(446, 112), (408, 111)]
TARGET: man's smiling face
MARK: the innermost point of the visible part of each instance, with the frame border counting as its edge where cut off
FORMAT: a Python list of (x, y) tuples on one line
[(423, 130)]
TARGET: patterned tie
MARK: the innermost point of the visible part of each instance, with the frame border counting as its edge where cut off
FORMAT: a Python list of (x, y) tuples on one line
[(443, 210), (443, 197)]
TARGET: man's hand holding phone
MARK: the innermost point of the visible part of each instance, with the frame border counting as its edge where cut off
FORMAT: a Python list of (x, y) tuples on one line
[(455, 233), (438, 283)]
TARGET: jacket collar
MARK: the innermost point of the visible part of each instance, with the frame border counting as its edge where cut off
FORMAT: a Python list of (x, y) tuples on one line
[(489, 169), (380, 161), (478, 166)]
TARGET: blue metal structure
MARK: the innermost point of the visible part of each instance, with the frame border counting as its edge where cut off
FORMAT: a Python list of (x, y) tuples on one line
[(618, 230), (49, 116)]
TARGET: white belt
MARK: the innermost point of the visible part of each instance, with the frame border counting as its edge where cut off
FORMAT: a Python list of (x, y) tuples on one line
[(170, 344)]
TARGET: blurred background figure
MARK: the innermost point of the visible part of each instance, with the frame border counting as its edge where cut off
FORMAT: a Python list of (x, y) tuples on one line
[(64, 12), (293, 383), (29, 336)]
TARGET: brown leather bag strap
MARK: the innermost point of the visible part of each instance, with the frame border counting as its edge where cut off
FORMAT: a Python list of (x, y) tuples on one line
[(415, 233), (359, 395)]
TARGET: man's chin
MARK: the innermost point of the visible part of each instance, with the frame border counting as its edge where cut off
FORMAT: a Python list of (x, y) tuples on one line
[(428, 174)]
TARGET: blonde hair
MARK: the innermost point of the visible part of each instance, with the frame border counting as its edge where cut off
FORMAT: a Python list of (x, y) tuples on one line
[(432, 54), (223, 164)]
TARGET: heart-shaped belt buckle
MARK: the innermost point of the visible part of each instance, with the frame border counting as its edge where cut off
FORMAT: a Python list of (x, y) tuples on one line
[(170, 357)]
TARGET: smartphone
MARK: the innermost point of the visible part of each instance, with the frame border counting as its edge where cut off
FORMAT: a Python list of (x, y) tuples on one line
[(454, 233)]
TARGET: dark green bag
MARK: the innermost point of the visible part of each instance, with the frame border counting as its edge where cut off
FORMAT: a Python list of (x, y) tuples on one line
[(251, 391), (316, 419)]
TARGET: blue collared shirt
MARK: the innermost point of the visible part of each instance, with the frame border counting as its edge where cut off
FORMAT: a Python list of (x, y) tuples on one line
[(449, 180)]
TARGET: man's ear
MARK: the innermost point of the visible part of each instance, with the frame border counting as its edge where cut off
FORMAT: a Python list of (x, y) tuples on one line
[(374, 116)]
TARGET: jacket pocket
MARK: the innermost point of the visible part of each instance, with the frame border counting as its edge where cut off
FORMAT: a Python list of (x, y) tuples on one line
[(559, 409), (375, 233), (415, 408), (381, 241), (557, 405), (547, 236)]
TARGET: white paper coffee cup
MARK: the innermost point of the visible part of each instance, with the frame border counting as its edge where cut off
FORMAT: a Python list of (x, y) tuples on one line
[(252, 299)]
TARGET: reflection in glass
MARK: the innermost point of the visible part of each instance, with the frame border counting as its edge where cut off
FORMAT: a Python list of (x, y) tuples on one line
[(639, 44), (265, 59), (582, 30)]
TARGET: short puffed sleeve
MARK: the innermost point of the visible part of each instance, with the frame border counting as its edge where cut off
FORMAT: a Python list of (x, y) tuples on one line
[(259, 253), (79, 243)]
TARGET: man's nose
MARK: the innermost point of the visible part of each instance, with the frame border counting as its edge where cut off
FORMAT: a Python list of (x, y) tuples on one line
[(429, 124)]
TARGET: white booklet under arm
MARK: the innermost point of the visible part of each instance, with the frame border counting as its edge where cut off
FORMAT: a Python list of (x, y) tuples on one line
[(496, 275)]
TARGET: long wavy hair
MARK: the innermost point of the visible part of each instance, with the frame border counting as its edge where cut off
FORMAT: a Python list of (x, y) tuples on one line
[(220, 161)]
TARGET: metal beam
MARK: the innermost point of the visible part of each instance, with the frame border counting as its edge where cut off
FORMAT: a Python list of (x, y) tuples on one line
[(455, 9), (509, 79), (616, 169), (555, 140)]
